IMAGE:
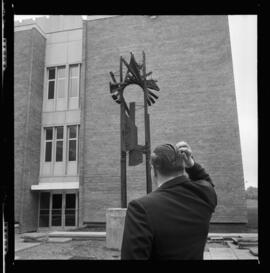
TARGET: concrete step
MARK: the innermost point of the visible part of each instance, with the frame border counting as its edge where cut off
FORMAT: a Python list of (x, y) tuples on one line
[(59, 240), (233, 235), (78, 235), (34, 237)]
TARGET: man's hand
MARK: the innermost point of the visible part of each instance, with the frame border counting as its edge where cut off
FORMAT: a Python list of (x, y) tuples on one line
[(186, 151)]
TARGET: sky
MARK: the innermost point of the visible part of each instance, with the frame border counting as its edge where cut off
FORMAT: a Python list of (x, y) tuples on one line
[(243, 35)]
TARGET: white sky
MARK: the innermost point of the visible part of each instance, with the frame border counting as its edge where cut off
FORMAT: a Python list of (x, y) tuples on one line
[(243, 34)]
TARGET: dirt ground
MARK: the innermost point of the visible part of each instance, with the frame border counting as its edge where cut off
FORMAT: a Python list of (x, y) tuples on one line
[(75, 249)]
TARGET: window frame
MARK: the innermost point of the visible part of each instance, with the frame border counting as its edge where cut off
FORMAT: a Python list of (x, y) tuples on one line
[(65, 147), (52, 103), (59, 139), (51, 80), (45, 142), (72, 138), (60, 78), (74, 77)]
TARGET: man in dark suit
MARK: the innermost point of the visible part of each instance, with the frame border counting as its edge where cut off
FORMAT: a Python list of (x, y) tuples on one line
[(172, 222)]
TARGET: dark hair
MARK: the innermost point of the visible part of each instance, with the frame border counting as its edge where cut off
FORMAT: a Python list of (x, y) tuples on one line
[(167, 159)]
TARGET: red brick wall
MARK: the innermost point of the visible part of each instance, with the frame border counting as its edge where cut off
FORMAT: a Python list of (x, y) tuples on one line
[(191, 58), (29, 60)]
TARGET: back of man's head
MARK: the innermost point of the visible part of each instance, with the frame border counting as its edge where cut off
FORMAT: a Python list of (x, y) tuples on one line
[(167, 160)]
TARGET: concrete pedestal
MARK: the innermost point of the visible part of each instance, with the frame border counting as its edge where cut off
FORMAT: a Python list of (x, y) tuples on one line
[(115, 220)]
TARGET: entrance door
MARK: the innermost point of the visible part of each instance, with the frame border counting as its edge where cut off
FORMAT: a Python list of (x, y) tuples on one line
[(44, 210), (58, 209), (70, 209), (57, 206)]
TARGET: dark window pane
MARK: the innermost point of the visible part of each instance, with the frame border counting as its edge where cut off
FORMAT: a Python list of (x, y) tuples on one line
[(56, 211), (48, 152), (70, 211), (70, 220), (44, 200), (72, 131), (49, 133), (59, 134), (51, 90), (44, 211), (56, 220), (70, 201), (57, 201), (51, 73), (59, 151), (72, 150)]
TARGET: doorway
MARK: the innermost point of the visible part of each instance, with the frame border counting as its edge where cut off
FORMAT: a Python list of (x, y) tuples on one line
[(58, 209)]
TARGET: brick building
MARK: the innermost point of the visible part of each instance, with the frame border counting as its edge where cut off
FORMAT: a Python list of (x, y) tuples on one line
[(67, 127)]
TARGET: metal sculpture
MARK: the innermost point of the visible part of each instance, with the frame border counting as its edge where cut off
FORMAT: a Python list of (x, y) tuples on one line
[(135, 74)]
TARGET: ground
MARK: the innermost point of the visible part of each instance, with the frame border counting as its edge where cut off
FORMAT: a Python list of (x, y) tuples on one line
[(77, 249), (83, 249), (96, 249)]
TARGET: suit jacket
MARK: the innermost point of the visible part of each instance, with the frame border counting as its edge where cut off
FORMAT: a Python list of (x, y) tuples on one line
[(171, 222)]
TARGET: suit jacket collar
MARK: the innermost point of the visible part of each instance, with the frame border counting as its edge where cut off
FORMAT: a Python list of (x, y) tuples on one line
[(173, 182)]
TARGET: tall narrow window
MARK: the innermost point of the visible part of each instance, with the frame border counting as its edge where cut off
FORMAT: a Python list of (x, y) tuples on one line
[(74, 81), (48, 144), (61, 78), (72, 143), (51, 83), (59, 143)]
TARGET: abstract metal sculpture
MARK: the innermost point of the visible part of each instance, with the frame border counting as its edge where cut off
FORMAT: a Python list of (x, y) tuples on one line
[(135, 74)]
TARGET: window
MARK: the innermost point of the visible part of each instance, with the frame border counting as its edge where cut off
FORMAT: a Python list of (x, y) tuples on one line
[(51, 83), (61, 80), (55, 141), (72, 143), (74, 80), (59, 143), (58, 209), (48, 144), (56, 82), (62, 88)]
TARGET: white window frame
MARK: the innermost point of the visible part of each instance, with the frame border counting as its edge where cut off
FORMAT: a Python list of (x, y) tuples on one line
[(67, 77), (50, 80), (78, 84), (60, 78), (59, 139), (74, 77), (73, 138), (45, 142), (63, 220), (65, 148)]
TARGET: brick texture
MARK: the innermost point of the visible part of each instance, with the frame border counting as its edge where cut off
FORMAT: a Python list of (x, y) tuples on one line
[(29, 59), (191, 58)]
